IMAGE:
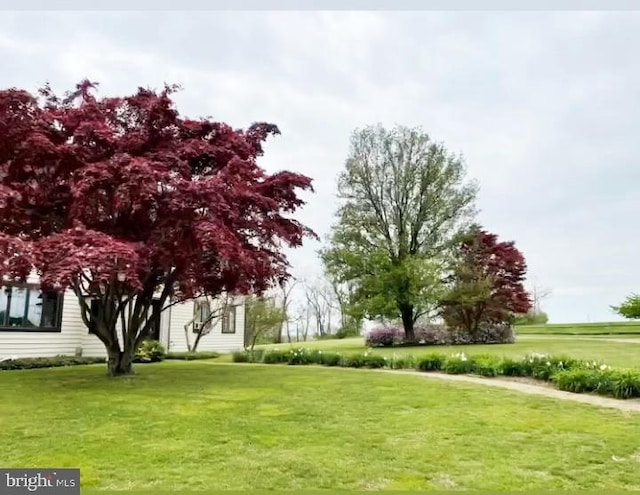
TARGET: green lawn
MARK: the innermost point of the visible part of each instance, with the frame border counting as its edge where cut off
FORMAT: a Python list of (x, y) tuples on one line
[(618, 354), (611, 328), (196, 425)]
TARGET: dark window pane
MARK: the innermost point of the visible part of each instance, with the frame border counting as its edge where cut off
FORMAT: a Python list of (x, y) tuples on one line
[(50, 310), (34, 308), (229, 320), (4, 304), (202, 310), (25, 306), (17, 306)]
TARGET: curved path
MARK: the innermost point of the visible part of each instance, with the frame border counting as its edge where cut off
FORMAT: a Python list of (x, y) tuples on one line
[(631, 405), (628, 405), (621, 340)]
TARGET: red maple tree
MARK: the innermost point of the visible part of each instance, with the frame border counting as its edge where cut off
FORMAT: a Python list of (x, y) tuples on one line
[(486, 283), (122, 200)]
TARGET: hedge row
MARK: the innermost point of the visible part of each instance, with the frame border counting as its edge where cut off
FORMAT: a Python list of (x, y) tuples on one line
[(47, 362), (59, 361), (191, 356), (565, 373), (392, 336), (152, 351)]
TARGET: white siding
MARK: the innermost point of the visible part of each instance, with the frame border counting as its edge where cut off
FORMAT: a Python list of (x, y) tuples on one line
[(45, 344), (74, 334), (225, 342), (178, 316)]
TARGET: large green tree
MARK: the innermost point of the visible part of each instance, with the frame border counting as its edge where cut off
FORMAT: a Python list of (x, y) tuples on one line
[(630, 307), (403, 199), (263, 320)]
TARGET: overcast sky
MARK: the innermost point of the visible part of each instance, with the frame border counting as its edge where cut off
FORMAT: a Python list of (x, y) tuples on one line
[(544, 106)]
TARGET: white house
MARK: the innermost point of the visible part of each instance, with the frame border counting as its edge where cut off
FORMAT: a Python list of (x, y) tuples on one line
[(38, 324)]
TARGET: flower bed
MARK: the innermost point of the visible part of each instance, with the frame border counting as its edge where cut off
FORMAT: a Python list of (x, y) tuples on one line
[(565, 373)]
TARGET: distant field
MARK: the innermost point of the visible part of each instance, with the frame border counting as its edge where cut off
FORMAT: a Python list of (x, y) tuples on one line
[(605, 328)]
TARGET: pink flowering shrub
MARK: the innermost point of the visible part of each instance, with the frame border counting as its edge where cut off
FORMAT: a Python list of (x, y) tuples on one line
[(389, 336)]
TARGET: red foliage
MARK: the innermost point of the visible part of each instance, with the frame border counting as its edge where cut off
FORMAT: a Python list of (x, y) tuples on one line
[(486, 283), (92, 187)]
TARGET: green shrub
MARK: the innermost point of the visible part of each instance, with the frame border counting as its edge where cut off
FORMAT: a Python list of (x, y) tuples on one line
[(457, 364), (543, 366), (626, 384), (241, 357), (578, 381), (512, 367), (48, 362), (315, 356), (485, 365), (402, 362), (537, 366), (256, 355), (348, 331), (275, 357), (330, 358), (191, 356), (375, 361), (431, 362), (621, 384), (354, 361), (302, 356), (150, 351)]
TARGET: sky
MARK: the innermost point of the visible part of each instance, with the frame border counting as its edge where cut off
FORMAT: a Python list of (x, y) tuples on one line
[(544, 106)]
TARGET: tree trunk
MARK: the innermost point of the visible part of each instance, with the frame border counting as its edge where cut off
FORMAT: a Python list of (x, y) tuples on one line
[(407, 322), (197, 341), (120, 363)]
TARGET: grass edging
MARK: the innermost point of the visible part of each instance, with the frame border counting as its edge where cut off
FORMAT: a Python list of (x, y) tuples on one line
[(564, 373)]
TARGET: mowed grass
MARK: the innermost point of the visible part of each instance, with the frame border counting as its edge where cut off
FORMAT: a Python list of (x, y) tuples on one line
[(607, 328), (618, 354), (197, 425)]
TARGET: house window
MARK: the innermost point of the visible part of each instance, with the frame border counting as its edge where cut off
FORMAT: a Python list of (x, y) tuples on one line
[(202, 311), (229, 320), (26, 308)]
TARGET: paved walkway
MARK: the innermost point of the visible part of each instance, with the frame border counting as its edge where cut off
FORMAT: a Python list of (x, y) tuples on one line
[(632, 405)]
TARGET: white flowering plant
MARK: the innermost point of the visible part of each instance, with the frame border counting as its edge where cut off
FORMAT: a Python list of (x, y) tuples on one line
[(457, 364), (543, 366)]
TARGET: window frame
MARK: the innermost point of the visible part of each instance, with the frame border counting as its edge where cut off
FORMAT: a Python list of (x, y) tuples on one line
[(7, 288), (229, 315)]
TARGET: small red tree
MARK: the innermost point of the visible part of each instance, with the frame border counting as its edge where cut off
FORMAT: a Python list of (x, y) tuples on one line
[(123, 201), (486, 283)]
